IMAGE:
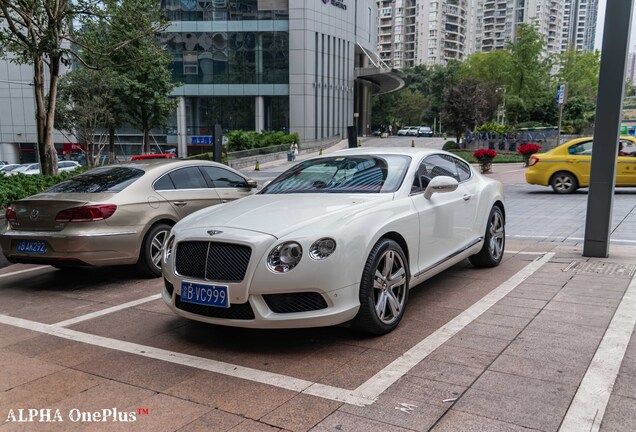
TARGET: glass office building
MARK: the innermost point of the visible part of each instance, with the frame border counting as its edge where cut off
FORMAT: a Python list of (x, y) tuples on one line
[(305, 66)]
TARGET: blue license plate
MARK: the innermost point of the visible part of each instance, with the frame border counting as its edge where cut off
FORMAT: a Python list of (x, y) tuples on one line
[(207, 295), (32, 246)]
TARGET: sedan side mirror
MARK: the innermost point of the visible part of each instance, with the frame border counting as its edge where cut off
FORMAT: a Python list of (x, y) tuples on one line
[(440, 184), (251, 184)]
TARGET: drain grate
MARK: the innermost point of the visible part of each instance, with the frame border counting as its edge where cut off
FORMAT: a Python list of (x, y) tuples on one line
[(602, 268)]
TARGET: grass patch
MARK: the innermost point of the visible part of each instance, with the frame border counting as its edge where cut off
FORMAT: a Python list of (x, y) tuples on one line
[(500, 158)]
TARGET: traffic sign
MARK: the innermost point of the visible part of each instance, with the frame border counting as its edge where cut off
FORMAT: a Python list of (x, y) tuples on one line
[(562, 94)]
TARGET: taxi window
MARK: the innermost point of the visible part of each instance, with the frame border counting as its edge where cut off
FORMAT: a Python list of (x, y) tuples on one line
[(581, 149)]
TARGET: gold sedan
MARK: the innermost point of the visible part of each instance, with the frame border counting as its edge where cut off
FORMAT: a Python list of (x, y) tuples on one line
[(118, 214)]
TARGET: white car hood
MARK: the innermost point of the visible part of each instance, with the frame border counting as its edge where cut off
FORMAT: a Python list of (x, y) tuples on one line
[(279, 214)]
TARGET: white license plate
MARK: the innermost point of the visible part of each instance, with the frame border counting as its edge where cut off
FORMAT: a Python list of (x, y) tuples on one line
[(206, 295), (32, 246)]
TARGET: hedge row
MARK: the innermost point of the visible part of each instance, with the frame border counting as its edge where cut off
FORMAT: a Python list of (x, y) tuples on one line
[(20, 186), (245, 140)]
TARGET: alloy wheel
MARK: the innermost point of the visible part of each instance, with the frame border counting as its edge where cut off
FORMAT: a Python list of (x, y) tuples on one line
[(156, 247), (389, 287), (496, 235)]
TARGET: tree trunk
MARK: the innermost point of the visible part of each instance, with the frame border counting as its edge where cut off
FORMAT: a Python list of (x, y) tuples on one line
[(43, 116), (146, 141), (111, 145)]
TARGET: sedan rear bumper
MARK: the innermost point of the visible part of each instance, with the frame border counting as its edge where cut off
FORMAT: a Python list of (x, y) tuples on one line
[(95, 249)]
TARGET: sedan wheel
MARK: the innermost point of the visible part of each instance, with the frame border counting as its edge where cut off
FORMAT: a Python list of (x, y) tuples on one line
[(564, 183), (150, 257), (383, 289), (492, 251)]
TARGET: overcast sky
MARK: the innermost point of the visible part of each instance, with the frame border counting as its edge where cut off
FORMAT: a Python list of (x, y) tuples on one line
[(599, 27)]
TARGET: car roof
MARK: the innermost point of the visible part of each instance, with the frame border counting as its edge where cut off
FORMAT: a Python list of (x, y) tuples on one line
[(149, 165), (407, 151)]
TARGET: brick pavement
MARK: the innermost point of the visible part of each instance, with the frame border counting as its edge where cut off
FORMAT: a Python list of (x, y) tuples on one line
[(543, 357)]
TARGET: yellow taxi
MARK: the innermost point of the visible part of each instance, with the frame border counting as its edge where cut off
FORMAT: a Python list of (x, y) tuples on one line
[(567, 167)]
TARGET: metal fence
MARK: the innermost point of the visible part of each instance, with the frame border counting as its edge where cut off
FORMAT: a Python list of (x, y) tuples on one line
[(546, 138)]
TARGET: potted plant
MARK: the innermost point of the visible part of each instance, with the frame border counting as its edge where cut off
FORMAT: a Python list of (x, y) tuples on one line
[(527, 150), (485, 157)]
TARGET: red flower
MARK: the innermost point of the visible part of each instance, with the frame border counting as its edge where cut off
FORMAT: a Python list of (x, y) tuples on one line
[(529, 149), (484, 154)]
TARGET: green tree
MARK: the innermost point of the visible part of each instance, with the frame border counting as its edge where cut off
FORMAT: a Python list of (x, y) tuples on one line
[(87, 105), (468, 103), (580, 70), (50, 34), (140, 62), (530, 81)]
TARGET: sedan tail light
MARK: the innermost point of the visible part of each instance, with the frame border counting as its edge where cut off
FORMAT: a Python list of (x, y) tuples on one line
[(86, 213), (10, 215), (533, 160)]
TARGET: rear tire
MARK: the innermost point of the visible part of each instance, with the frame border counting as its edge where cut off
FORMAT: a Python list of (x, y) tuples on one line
[(384, 289), (492, 251), (149, 263), (564, 182)]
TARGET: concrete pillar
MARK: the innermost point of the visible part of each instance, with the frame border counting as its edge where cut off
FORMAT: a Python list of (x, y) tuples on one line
[(260, 113), (182, 131)]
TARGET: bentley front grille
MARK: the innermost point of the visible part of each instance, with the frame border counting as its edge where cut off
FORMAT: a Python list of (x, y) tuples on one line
[(222, 262)]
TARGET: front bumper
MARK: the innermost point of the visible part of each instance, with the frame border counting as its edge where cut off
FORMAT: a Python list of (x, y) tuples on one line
[(342, 306)]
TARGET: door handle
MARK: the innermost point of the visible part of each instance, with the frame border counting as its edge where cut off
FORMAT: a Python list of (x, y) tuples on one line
[(467, 197), (180, 203)]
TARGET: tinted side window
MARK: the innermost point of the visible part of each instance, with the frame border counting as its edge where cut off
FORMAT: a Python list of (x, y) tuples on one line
[(223, 178), (463, 169), (441, 165), (188, 178), (107, 179), (164, 183)]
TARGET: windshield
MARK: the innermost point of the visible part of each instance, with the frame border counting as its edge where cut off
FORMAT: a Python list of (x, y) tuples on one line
[(343, 174), (106, 179)]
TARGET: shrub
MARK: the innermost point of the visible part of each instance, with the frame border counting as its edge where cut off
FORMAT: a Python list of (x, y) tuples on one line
[(493, 127), (245, 140), (20, 186), (450, 145)]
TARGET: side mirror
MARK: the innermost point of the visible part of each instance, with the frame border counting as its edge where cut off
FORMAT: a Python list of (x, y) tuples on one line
[(251, 184), (440, 184)]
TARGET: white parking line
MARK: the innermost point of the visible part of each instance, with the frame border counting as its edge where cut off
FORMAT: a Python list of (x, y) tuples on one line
[(25, 271), (588, 407), (99, 313), (524, 252), (562, 238), (376, 385), (364, 395)]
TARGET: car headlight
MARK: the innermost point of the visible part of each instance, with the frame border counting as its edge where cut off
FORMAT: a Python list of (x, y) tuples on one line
[(322, 248), (284, 257), (167, 249)]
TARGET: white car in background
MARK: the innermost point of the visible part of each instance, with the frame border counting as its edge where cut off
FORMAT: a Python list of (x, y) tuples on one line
[(334, 239), (62, 166)]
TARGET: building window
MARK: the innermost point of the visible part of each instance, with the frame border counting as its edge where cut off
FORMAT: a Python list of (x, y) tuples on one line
[(386, 12), (190, 63)]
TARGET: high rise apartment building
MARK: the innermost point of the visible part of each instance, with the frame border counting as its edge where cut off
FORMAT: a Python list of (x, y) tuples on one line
[(497, 22), (397, 32), (415, 32), (579, 24)]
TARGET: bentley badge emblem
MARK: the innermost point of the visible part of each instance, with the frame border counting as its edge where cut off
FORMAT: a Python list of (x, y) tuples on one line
[(34, 214), (214, 232)]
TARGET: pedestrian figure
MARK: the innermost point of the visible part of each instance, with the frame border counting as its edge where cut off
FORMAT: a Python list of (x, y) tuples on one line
[(390, 130), (293, 150)]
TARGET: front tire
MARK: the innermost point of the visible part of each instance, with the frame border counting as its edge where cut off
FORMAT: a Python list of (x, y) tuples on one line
[(149, 263), (384, 289), (492, 251), (564, 182)]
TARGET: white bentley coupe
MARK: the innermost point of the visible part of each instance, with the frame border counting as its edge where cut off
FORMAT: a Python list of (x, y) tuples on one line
[(334, 239)]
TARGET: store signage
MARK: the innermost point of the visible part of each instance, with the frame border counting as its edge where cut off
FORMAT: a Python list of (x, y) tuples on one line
[(337, 3), (202, 140)]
